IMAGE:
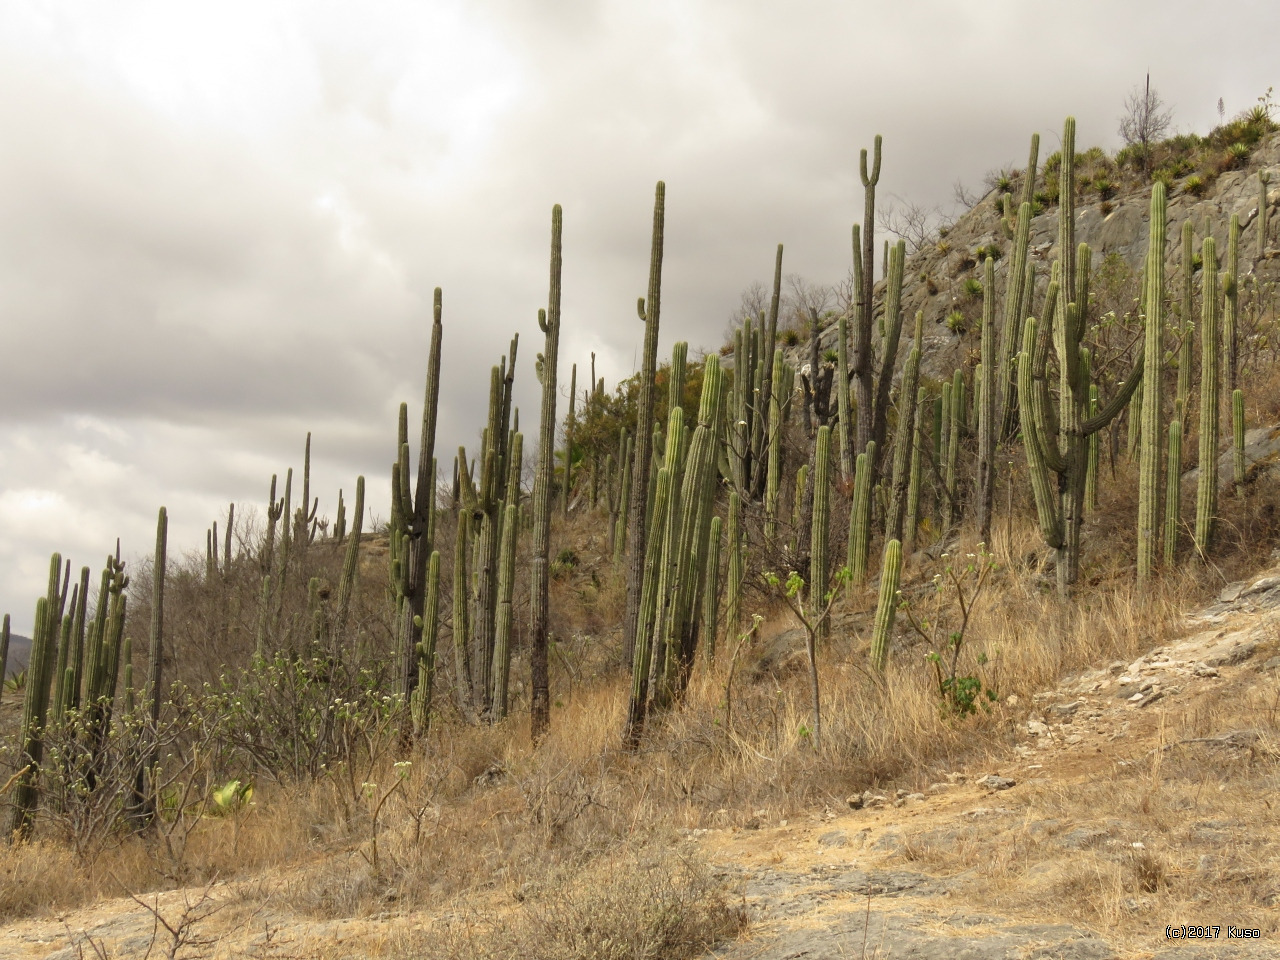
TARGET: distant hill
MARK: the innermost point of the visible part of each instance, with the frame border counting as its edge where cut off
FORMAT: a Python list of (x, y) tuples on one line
[(19, 654)]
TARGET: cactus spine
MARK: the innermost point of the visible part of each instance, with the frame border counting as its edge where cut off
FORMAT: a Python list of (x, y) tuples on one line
[(549, 322), (1207, 485), (649, 310), (1152, 429), (887, 605)]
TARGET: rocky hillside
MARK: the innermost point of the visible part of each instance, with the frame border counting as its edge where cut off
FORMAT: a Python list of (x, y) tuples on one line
[(1115, 225)]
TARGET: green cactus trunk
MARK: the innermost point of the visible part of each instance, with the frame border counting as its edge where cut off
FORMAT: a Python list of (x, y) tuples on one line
[(430, 627), (649, 310), (1207, 485), (887, 605), (904, 453), (736, 571), (860, 517), (540, 610), (1237, 436), (568, 440), (711, 591), (819, 574), (1187, 327), (505, 617), (916, 484), (1152, 428), (987, 397), (1173, 494)]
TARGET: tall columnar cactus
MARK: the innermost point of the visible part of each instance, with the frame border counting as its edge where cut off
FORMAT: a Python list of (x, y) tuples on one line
[(679, 374), (461, 654), (429, 625), (904, 452), (915, 486), (843, 407), (711, 591), (1237, 435), (1187, 327), (1152, 428), (505, 618), (624, 497), (1231, 307), (1207, 485), (414, 513), (736, 572), (1173, 494), (987, 398), (864, 281), (350, 564), (896, 260), (4, 652), (955, 430), (774, 471), (887, 605), (568, 440), (649, 310), (860, 516), (35, 708), (1264, 178), (540, 610), (1054, 440), (1094, 441), (643, 643), (819, 575)]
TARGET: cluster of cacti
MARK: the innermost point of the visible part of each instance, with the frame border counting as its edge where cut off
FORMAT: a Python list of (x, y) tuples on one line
[(676, 561), (1054, 437), (74, 667)]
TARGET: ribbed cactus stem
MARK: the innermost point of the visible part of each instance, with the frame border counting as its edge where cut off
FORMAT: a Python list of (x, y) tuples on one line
[(4, 652), (860, 516), (819, 575), (1185, 318), (461, 655), (1237, 435), (736, 571), (951, 475), (1094, 441), (1231, 307), (711, 590), (649, 310), (916, 484), (887, 605), (1152, 429), (1207, 481), (643, 643), (568, 439), (350, 565), (774, 471), (429, 625), (35, 708), (986, 399), (1173, 494), (843, 409), (905, 436), (505, 614), (1264, 210)]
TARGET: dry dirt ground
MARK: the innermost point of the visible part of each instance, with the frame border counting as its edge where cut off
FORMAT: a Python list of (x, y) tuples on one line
[(1137, 799)]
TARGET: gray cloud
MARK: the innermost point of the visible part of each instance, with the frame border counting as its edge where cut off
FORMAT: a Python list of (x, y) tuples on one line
[(221, 228)]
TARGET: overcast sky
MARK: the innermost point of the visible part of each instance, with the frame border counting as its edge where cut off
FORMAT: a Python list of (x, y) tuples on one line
[(221, 223)]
